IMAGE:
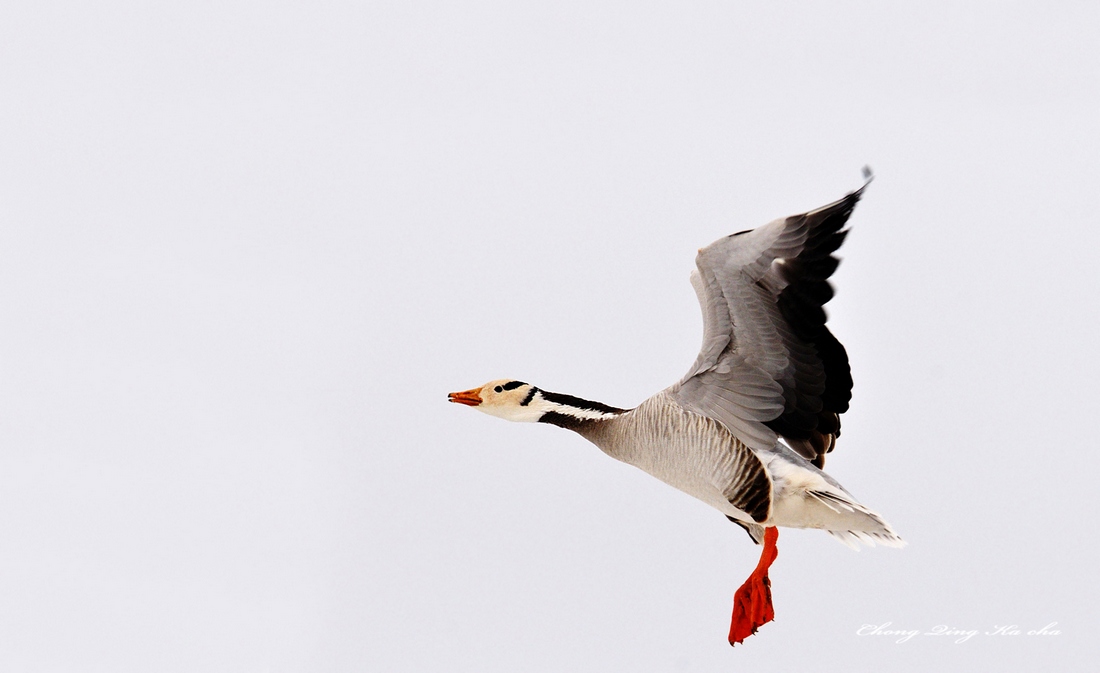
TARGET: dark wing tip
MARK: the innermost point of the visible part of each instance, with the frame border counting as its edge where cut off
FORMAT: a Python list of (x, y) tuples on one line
[(810, 419)]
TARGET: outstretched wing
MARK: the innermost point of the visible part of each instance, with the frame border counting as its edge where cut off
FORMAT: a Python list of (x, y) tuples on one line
[(769, 366)]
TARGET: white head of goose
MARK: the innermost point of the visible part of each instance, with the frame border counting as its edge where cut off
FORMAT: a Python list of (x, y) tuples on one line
[(524, 403), (747, 428)]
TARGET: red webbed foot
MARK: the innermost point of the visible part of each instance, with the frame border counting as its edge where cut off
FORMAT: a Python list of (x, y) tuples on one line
[(752, 604)]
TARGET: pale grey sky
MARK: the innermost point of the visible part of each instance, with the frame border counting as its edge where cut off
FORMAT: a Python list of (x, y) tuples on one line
[(247, 248)]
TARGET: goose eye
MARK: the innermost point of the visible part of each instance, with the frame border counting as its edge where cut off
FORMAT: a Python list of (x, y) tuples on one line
[(499, 389)]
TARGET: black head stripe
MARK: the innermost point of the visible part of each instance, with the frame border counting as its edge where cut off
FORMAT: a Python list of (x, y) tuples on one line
[(530, 396), (512, 385)]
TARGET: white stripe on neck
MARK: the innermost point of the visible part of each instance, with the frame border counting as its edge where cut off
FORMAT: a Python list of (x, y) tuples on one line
[(567, 410)]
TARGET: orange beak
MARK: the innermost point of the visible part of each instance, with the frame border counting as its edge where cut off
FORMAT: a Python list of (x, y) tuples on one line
[(468, 397)]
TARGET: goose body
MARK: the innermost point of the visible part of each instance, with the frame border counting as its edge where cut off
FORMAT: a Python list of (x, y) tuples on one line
[(747, 429)]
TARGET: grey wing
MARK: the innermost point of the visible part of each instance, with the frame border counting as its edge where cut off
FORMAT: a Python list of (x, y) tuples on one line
[(769, 366)]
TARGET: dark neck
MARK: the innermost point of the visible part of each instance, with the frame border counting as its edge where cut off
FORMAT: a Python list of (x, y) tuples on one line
[(575, 413)]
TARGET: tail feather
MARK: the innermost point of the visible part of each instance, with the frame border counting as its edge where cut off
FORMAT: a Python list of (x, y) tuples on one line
[(852, 538), (856, 523)]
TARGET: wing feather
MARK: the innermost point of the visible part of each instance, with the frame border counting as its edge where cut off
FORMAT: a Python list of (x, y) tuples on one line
[(768, 366)]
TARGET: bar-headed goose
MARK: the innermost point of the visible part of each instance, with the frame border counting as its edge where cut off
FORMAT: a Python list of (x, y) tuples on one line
[(747, 429)]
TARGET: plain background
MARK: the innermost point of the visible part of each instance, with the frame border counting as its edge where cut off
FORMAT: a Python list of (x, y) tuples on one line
[(247, 248)]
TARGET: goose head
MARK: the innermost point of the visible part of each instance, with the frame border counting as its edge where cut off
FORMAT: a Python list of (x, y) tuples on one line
[(519, 401), (503, 398)]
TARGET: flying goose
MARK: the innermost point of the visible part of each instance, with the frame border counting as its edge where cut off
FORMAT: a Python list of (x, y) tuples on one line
[(747, 429)]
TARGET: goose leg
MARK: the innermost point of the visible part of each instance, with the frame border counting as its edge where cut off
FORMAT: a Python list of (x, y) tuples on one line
[(752, 604)]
